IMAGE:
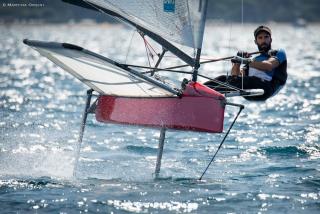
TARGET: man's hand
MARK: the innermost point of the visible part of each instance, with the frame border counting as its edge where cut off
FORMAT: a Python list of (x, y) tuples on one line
[(272, 53), (241, 60), (243, 54)]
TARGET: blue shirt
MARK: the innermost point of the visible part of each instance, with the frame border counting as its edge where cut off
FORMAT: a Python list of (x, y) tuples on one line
[(280, 55)]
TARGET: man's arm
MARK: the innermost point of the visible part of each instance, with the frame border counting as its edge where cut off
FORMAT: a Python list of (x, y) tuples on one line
[(266, 65), (235, 70)]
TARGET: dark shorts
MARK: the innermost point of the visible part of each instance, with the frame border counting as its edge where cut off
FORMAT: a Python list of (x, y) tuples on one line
[(249, 82)]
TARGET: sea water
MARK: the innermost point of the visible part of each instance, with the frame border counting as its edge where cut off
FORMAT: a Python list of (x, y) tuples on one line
[(269, 163)]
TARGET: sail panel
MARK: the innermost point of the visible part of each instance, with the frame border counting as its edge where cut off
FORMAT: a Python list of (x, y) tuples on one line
[(197, 18), (180, 21), (104, 76)]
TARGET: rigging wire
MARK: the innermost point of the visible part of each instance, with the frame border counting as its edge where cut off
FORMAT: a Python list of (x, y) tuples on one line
[(241, 107), (229, 44), (129, 47), (149, 49), (233, 88), (242, 30), (242, 13)]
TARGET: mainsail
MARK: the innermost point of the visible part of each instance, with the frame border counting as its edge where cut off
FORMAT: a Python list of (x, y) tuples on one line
[(180, 21)]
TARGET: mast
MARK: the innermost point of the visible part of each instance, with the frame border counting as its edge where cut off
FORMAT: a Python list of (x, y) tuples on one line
[(196, 66)]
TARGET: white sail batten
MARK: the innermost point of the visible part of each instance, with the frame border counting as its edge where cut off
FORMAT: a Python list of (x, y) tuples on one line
[(180, 21)]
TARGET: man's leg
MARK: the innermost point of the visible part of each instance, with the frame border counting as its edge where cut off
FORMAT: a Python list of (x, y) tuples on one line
[(247, 82), (257, 83), (216, 86)]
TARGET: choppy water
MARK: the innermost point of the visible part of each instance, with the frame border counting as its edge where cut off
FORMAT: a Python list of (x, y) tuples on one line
[(269, 163)]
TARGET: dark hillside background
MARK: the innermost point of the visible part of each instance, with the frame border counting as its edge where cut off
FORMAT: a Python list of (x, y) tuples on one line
[(227, 10)]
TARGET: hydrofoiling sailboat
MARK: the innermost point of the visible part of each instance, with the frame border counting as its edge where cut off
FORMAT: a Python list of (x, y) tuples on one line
[(127, 94)]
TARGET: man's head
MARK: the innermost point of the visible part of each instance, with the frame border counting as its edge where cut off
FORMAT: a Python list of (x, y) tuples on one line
[(263, 38)]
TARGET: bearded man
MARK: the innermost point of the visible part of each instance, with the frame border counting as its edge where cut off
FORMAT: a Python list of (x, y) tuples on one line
[(267, 71)]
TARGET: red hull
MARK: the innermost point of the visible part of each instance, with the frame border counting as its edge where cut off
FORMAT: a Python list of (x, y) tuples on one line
[(199, 109)]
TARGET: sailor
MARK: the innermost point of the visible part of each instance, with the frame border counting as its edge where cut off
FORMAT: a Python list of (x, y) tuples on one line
[(267, 71)]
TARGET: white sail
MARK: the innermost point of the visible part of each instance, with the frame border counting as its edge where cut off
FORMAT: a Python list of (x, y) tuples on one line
[(100, 73), (181, 21)]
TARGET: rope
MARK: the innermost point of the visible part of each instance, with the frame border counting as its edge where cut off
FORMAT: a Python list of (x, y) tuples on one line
[(149, 46)]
